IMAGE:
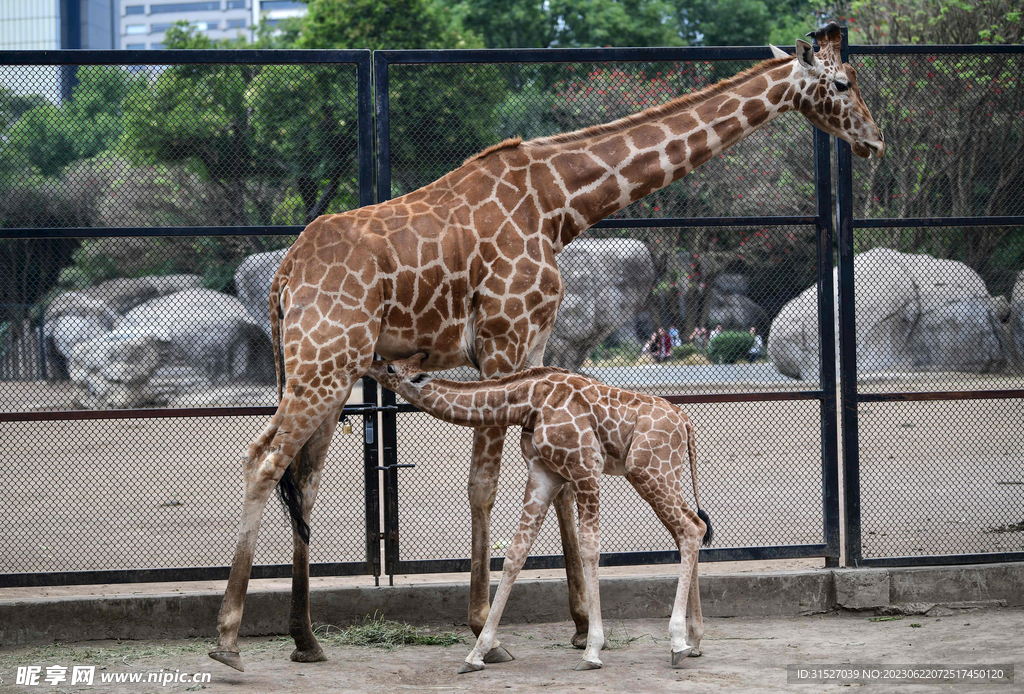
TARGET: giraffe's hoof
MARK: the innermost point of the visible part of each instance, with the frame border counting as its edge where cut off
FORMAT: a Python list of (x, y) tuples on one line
[(497, 655), (470, 667), (579, 640), (229, 658), (585, 664), (312, 655), (679, 657)]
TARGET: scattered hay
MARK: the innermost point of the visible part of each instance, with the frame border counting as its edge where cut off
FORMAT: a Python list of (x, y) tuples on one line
[(1007, 528), (377, 632)]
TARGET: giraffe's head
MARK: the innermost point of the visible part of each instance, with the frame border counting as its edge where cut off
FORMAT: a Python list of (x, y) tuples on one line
[(404, 376), (831, 99)]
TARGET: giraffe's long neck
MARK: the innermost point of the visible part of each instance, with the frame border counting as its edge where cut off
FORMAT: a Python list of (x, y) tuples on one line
[(595, 172), (505, 402)]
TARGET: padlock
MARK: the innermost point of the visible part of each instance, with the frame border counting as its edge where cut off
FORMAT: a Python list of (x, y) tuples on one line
[(346, 428)]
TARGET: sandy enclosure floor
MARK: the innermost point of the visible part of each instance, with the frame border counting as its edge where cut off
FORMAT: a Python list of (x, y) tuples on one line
[(740, 655), (111, 494)]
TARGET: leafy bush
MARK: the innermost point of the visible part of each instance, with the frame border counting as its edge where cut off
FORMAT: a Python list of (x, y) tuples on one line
[(683, 351), (729, 347)]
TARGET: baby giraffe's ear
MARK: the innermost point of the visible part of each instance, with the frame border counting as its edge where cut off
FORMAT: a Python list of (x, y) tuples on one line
[(418, 358)]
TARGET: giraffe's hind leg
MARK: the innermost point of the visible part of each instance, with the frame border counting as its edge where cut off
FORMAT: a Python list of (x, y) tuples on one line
[(661, 489), (295, 421), (306, 472)]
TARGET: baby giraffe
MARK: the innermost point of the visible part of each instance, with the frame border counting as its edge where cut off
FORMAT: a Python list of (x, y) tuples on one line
[(574, 430)]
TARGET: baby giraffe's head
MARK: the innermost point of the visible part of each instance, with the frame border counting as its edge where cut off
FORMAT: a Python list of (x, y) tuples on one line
[(404, 376)]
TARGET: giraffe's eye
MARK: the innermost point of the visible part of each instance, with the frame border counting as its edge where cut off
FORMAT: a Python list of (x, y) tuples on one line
[(842, 86), (391, 369)]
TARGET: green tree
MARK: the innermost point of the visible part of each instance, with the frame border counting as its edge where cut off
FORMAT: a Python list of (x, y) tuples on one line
[(277, 142), (383, 24), (956, 140), (725, 22), (49, 137)]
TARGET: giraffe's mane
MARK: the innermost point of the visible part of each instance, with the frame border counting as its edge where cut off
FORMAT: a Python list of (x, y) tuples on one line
[(668, 108), (504, 144)]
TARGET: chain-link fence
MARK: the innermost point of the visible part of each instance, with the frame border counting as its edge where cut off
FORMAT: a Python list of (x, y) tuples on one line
[(933, 470), (145, 209)]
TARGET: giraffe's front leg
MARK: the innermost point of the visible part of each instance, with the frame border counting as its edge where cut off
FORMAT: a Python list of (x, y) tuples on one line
[(541, 488), (483, 486), (588, 499), (573, 565)]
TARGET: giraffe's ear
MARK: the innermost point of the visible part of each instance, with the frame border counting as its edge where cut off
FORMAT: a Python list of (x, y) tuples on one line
[(778, 52), (418, 358), (805, 55)]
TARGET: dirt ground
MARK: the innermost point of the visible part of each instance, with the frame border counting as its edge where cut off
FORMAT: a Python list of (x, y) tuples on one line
[(116, 494), (740, 655)]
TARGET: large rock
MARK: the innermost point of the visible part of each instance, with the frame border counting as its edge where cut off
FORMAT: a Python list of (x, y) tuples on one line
[(252, 282), (125, 293), (188, 341), (113, 371), (914, 313), (75, 317), (607, 282), (732, 308)]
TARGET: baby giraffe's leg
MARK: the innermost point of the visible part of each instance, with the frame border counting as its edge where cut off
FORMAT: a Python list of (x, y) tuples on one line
[(541, 487), (588, 502), (694, 618), (661, 490)]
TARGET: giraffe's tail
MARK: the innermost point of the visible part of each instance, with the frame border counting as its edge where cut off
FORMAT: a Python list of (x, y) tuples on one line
[(275, 333), (288, 489), (691, 452)]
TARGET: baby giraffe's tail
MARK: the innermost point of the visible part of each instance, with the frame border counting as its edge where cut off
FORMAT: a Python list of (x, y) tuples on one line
[(691, 451)]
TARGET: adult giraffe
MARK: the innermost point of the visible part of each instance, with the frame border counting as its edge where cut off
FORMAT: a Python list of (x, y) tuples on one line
[(464, 269)]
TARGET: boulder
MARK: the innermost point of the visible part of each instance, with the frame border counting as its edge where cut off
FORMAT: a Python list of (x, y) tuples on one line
[(252, 282), (184, 342), (125, 293), (1016, 317), (607, 282), (113, 371), (913, 313), (74, 317)]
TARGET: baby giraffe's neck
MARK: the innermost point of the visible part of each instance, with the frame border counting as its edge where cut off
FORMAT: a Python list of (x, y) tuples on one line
[(504, 402)]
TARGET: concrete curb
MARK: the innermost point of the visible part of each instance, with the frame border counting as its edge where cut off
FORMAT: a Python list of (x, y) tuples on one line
[(45, 620)]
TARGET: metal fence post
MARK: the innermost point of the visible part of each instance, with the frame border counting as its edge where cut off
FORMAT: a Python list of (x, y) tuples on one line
[(827, 348), (848, 345), (389, 419)]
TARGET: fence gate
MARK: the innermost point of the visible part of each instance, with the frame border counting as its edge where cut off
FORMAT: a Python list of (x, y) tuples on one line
[(932, 442), (120, 481), (766, 443)]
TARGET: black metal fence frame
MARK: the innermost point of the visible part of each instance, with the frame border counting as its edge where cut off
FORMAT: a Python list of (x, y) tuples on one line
[(380, 440)]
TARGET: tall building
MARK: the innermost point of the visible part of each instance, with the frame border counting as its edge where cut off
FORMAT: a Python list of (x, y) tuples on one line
[(52, 24), (144, 24)]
